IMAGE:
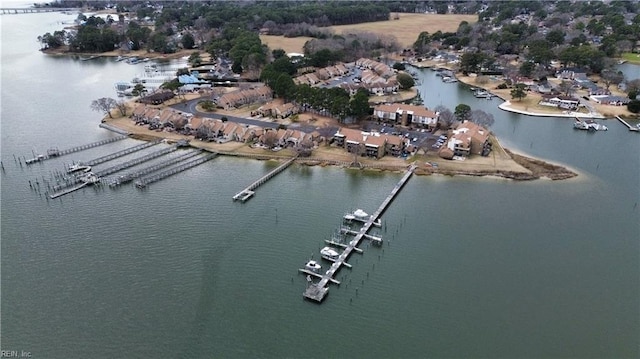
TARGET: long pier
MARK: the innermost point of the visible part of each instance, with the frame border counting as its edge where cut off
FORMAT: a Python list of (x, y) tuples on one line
[(128, 177), (69, 190), (317, 291), (631, 128), (143, 182), (248, 192), (124, 152), (135, 161), (54, 152), (28, 10)]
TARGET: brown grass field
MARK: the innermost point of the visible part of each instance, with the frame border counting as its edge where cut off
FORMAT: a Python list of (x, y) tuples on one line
[(406, 29)]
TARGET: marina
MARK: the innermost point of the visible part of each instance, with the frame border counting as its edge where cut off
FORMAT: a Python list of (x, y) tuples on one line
[(318, 291), (128, 177), (135, 161), (118, 154), (145, 181), (54, 152), (248, 192)]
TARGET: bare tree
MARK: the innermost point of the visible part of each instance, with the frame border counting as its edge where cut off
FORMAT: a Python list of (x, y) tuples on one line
[(566, 87), (122, 107), (104, 104), (482, 118), (445, 116)]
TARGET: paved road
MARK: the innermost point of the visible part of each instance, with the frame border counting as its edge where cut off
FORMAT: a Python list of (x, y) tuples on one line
[(190, 106)]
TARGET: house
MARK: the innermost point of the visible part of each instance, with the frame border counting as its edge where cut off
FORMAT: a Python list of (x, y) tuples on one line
[(369, 144), (244, 97), (564, 102), (610, 100), (277, 109), (569, 73), (468, 138), (406, 114)]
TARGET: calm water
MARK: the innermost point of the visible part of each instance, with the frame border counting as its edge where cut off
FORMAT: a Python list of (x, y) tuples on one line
[(470, 267)]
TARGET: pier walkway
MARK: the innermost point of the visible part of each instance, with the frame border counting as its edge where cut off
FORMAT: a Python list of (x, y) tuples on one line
[(115, 155), (27, 10), (143, 182), (248, 192), (54, 152), (135, 161), (631, 128), (128, 177), (317, 291)]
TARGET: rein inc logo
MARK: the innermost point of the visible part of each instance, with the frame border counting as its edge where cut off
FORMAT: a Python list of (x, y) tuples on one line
[(14, 354)]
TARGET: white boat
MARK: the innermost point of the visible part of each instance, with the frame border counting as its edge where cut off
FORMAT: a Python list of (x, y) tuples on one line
[(482, 94), (360, 213), (312, 266), (349, 217), (589, 125), (77, 168), (329, 253)]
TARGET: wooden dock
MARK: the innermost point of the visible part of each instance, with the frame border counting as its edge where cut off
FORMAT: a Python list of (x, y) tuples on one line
[(248, 192), (54, 152), (631, 128), (318, 291), (143, 182), (118, 154)]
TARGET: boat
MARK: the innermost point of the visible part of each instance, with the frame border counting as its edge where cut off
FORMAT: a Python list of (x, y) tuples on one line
[(360, 214), (349, 217), (448, 79), (482, 94), (329, 253), (312, 266), (78, 168), (589, 125)]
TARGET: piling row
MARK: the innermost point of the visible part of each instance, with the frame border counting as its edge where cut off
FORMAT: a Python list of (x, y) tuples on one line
[(135, 161), (128, 177), (54, 152), (143, 182), (124, 152)]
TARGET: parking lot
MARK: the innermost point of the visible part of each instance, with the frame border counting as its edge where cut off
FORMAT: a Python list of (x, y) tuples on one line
[(420, 138)]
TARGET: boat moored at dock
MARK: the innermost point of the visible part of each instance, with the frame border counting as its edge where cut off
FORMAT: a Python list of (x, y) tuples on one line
[(312, 266), (588, 125), (329, 253)]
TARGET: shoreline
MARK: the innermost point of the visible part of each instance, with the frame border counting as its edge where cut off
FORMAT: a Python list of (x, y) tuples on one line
[(502, 163)]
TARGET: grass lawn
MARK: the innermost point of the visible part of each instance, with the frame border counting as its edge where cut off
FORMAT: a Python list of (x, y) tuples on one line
[(631, 57)]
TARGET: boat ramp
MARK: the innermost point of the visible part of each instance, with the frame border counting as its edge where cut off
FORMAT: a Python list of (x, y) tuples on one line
[(318, 291), (55, 152), (248, 192), (631, 128)]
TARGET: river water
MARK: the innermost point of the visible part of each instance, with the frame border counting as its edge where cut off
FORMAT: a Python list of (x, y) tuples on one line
[(471, 267)]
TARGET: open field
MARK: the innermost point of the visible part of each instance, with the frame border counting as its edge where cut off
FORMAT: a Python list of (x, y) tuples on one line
[(288, 44), (408, 26), (406, 29)]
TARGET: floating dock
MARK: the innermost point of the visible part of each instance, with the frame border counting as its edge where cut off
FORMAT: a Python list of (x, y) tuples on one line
[(54, 152), (631, 128), (143, 182), (318, 291), (248, 192)]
